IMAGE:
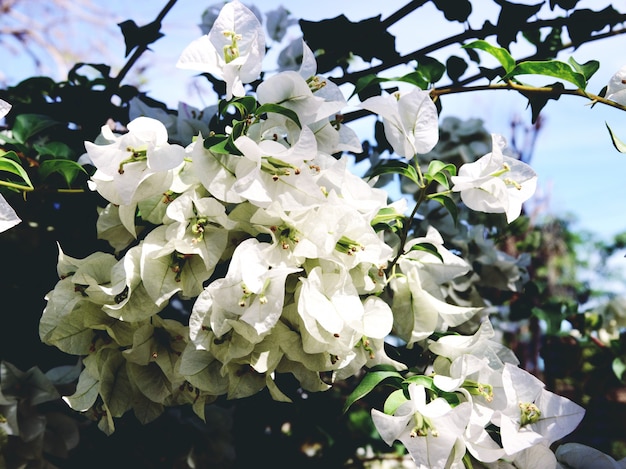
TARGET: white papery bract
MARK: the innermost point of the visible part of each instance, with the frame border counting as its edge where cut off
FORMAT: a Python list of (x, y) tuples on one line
[(533, 415), (136, 165), (616, 89), (410, 121), (496, 183), (430, 431), (8, 217), (232, 51)]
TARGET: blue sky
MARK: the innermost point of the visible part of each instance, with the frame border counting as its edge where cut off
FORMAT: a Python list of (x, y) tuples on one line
[(576, 162)]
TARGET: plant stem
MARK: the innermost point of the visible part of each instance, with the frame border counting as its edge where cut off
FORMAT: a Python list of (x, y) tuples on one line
[(404, 234), (20, 187), (402, 12)]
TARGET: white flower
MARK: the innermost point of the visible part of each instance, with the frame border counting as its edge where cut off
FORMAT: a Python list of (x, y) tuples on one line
[(410, 121), (616, 89), (533, 415), (479, 344), (429, 431), (421, 310), (253, 292), (136, 165), (496, 183), (232, 51)]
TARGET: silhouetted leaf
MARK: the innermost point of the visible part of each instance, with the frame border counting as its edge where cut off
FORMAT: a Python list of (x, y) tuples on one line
[(513, 18), (565, 4), (336, 39), (135, 36), (538, 101), (455, 67), (459, 10), (582, 23)]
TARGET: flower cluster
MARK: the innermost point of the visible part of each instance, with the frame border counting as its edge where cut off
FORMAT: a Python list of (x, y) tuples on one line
[(279, 247)]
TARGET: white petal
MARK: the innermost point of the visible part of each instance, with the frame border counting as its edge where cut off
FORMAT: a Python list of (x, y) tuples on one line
[(8, 217)]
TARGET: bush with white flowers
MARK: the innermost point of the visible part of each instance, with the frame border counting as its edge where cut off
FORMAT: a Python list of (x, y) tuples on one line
[(295, 266)]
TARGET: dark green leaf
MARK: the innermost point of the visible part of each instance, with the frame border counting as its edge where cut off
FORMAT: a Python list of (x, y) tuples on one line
[(67, 168), (448, 203), (502, 55), (278, 109), (28, 125), (372, 379), (428, 247), (57, 150), (431, 69), (395, 167)]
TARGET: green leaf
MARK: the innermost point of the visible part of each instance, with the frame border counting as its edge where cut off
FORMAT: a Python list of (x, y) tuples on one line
[(67, 168), (501, 54), (395, 167), (222, 145), (619, 367), (388, 218), (28, 125), (428, 247), (436, 172), (365, 82), (372, 379), (57, 150), (395, 400), (551, 68), (451, 397), (587, 69), (431, 69), (448, 203), (8, 164), (617, 143), (278, 109)]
